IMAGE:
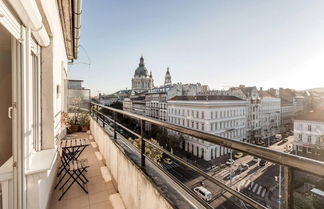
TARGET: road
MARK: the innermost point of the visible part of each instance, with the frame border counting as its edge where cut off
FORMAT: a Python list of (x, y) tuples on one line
[(257, 181)]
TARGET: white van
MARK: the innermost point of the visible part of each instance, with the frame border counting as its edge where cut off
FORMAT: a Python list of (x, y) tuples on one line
[(203, 193), (278, 136)]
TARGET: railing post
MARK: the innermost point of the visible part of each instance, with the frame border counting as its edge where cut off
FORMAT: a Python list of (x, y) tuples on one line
[(103, 120), (142, 143), (97, 112), (91, 112), (289, 190), (115, 125)]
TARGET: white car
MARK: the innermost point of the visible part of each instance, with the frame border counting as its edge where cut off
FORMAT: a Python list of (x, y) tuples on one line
[(229, 162), (255, 159), (243, 167), (203, 193)]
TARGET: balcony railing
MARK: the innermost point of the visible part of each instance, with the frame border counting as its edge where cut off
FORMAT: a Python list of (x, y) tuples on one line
[(291, 163)]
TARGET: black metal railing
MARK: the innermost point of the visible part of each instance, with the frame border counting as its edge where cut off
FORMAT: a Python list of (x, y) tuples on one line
[(290, 162)]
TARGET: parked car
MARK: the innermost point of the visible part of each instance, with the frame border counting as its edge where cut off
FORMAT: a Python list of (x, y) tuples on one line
[(229, 176), (243, 167), (203, 193), (229, 162), (262, 163), (255, 159), (167, 161), (238, 155)]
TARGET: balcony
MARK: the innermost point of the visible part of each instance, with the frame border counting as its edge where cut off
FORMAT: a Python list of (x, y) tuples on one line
[(165, 181), (134, 180)]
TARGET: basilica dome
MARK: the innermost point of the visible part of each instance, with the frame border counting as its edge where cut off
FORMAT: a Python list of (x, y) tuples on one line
[(141, 70)]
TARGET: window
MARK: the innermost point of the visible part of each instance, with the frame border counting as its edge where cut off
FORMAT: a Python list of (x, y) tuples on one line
[(197, 125), (192, 113), (192, 124), (216, 114), (187, 123), (197, 114), (300, 148), (202, 115), (211, 115), (188, 113), (309, 139), (36, 97), (309, 128), (300, 137), (202, 126), (309, 150)]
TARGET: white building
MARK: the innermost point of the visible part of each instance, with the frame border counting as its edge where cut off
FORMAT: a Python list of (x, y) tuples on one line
[(309, 135), (270, 115), (251, 95), (156, 105), (224, 116), (37, 40)]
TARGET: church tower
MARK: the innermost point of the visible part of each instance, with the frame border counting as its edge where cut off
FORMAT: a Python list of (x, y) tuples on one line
[(167, 79), (142, 80)]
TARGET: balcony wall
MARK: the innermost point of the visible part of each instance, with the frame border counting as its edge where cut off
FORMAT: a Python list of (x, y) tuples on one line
[(135, 188)]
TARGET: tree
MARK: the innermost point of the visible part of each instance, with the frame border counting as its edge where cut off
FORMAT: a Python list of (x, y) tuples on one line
[(117, 105), (152, 152)]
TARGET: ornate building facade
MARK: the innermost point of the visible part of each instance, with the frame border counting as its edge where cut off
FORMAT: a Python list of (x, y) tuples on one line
[(142, 80), (167, 79)]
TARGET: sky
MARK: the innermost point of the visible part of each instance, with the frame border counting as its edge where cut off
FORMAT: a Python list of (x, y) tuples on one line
[(221, 43)]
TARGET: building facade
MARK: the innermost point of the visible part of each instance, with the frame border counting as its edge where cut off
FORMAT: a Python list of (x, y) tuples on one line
[(251, 95), (37, 41), (270, 116), (167, 78), (309, 135), (156, 105), (224, 116), (142, 80)]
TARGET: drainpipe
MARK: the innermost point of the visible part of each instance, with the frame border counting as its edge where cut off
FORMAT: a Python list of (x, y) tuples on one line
[(77, 10)]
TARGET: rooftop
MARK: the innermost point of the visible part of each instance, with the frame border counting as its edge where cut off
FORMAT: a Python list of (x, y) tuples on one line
[(205, 98), (317, 115)]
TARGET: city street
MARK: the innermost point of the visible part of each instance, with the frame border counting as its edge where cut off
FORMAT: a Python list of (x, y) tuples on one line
[(257, 181)]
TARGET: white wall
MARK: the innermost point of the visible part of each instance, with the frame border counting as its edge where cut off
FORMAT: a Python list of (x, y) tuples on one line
[(135, 188)]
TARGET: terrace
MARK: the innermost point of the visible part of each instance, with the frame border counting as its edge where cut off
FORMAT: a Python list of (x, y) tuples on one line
[(134, 180)]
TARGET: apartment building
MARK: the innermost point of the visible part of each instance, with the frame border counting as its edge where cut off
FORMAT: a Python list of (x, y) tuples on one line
[(251, 95), (223, 116), (309, 135), (270, 115), (37, 40), (156, 105)]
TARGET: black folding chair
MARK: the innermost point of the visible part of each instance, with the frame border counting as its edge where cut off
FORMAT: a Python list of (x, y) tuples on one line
[(70, 150), (75, 170)]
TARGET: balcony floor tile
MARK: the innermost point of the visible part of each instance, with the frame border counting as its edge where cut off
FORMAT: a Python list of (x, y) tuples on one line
[(98, 190)]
